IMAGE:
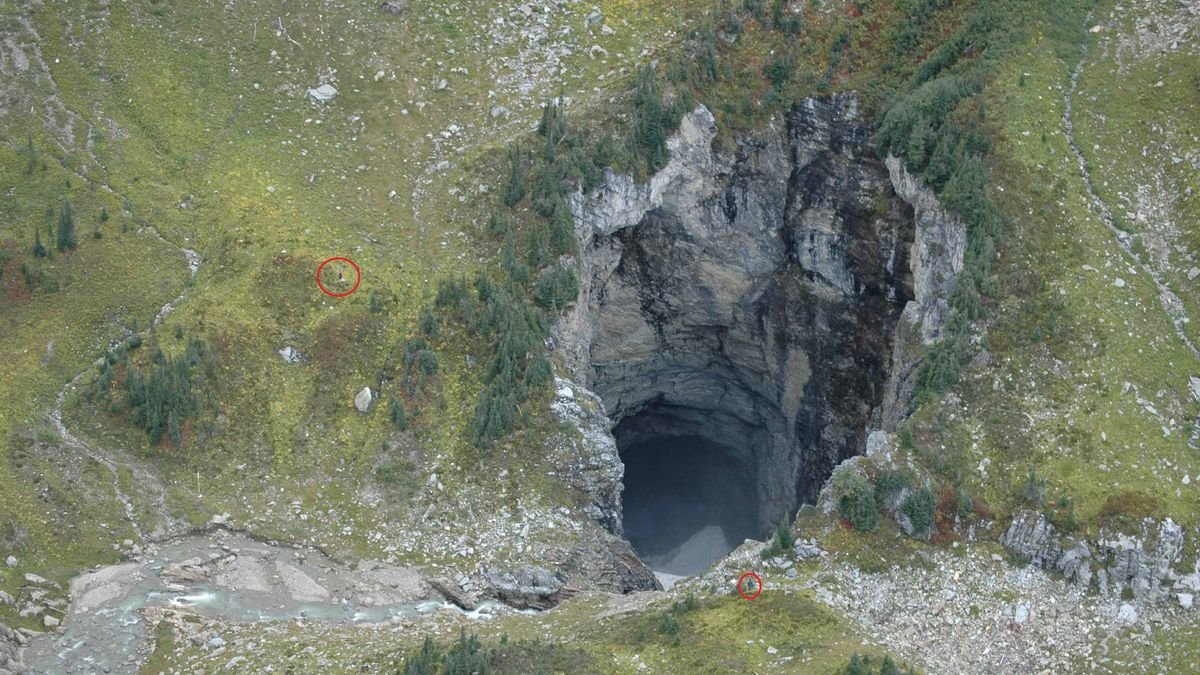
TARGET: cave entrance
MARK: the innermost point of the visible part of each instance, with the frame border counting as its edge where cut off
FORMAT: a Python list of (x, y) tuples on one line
[(688, 501), (694, 485)]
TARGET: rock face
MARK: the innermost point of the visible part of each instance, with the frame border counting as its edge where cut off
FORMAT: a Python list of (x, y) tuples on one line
[(1144, 564), (11, 646), (752, 297), (527, 588)]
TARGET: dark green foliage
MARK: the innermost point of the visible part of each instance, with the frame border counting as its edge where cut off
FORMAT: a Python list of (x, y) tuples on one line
[(468, 655), (556, 288), (397, 414), (965, 504), (649, 132), (865, 664), (781, 543), (450, 294), (889, 483), (374, 303), (779, 70), (500, 224), (66, 239), (856, 501), (919, 506), (429, 322), (164, 393), (1034, 489), (39, 251), (427, 361), (514, 190), (103, 214)]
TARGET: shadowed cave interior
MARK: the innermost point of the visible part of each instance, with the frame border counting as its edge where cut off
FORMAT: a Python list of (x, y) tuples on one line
[(688, 500)]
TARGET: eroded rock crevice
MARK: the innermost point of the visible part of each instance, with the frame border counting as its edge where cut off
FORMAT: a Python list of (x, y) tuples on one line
[(746, 303)]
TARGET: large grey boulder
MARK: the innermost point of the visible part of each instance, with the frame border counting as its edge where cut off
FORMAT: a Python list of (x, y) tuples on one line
[(362, 401), (323, 93), (527, 588)]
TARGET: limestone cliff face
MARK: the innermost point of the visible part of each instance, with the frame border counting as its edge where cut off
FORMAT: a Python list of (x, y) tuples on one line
[(1144, 563), (753, 296)]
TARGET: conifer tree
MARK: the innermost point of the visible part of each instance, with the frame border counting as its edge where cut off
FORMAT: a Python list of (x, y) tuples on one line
[(66, 229), (514, 192), (39, 251)]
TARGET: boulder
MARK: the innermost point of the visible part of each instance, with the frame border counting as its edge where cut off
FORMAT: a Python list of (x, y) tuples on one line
[(11, 561), (393, 7), (362, 401), (1127, 615), (290, 355), (323, 93), (527, 588), (453, 592)]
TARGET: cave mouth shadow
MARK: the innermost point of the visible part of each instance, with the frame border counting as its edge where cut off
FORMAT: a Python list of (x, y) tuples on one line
[(688, 500)]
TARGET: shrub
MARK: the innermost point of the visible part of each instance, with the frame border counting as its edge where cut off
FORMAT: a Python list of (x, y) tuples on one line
[(918, 506), (890, 482), (1034, 490), (556, 288), (398, 414), (856, 501), (514, 190)]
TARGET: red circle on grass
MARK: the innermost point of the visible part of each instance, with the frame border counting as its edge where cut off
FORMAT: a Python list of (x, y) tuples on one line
[(756, 580), (326, 291)]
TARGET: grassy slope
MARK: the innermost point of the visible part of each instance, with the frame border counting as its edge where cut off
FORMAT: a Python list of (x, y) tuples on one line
[(202, 130), (1066, 340)]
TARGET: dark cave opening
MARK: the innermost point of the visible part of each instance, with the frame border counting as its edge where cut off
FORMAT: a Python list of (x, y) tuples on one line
[(694, 479), (688, 501)]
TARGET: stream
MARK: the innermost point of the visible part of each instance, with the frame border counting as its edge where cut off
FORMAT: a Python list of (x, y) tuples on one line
[(222, 576)]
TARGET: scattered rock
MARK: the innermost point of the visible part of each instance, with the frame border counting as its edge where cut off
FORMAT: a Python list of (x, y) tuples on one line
[(50, 621), (216, 643), (1020, 614), (807, 548), (1127, 614), (393, 7), (323, 93), (32, 578), (291, 355), (1193, 273), (1185, 600), (11, 561), (1119, 282), (6, 599), (362, 401), (453, 592)]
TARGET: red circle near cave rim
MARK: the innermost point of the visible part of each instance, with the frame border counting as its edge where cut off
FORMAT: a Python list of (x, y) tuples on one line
[(757, 581), (357, 277)]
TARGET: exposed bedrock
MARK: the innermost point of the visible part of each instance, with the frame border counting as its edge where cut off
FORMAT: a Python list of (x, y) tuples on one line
[(752, 297)]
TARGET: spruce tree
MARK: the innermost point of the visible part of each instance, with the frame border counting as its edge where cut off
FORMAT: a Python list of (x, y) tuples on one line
[(66, 229), (39, 251), (514, 192)]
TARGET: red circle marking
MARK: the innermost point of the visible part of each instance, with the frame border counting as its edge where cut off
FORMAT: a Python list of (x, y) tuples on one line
[(756, 580), (357, 279)]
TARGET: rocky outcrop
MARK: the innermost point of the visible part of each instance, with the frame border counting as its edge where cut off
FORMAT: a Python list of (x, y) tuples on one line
[(12, 645), (752, 297), (1143, 564), (527, 588)]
